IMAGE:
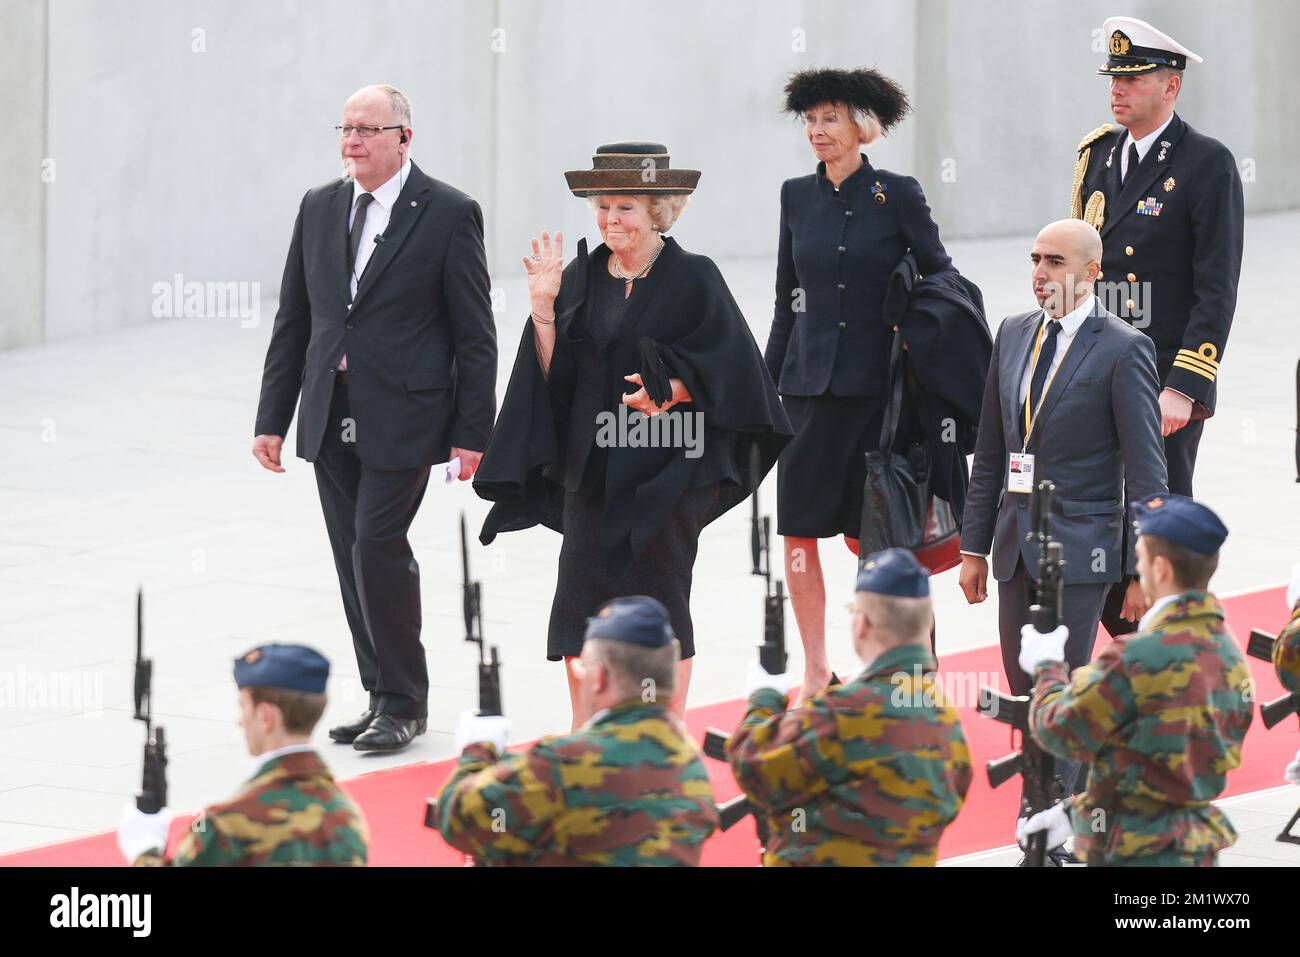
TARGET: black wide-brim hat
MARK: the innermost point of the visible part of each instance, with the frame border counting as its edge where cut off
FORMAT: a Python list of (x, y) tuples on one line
[(868, 90), (629, 169)]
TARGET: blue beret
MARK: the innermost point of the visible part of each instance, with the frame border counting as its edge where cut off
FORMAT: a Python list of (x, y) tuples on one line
[(896, 572), (635, 620), (1179, 519), (291, 667)]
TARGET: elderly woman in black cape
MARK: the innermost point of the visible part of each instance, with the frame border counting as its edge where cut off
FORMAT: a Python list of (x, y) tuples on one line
[(638, 410), (844, 229)]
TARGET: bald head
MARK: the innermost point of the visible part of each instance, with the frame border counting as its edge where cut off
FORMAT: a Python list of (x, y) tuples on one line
[(1067, 261), (1076, 237)]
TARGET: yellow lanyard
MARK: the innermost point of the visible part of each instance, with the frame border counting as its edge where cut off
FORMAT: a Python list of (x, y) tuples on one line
[(1031, 421)]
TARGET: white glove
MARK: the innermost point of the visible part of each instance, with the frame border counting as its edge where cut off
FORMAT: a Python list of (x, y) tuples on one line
[(1293, 589), (1036, 647), (1055, 821), (758, 678), (1292, 772), (140, 832), (482, 729)]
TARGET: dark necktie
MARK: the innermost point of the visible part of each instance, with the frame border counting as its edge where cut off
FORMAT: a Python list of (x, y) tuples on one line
[(358, 224), (1039, 379), (1133, 162)]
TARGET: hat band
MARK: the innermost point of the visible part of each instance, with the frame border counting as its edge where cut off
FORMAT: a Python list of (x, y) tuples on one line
[(634, 161)]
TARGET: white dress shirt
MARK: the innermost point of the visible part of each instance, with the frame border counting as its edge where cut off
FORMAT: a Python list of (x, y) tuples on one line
[(1070, 324), (1143, 146), (377, 216)]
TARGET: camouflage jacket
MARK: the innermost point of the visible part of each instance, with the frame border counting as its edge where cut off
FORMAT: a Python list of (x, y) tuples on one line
[(629, 789), (865, 773), (1161, 715), (290, 813), (1286, 653)]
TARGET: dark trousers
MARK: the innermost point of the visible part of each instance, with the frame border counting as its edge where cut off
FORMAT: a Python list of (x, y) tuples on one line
[(1080, 613), (1180, 456), (367, 515)]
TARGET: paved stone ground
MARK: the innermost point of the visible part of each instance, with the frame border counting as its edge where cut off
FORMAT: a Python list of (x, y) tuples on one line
[(126, 462)]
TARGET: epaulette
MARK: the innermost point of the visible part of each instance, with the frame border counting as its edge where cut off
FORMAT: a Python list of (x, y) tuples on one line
[(1095, 135)]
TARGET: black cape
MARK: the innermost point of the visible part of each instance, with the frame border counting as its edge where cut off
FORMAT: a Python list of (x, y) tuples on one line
[(685, 308), (949, 348)]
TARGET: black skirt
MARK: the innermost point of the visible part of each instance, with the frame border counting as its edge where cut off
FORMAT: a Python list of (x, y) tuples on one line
[(820, 473), (663, 571)]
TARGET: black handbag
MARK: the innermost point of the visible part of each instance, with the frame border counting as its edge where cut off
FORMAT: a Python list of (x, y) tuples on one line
[(898, 509)]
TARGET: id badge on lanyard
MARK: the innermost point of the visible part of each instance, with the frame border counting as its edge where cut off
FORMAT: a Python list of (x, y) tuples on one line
[(1020, 466)]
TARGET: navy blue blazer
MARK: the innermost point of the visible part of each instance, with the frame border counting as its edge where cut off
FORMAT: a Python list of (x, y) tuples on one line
[(1173, 241), (837, 251)]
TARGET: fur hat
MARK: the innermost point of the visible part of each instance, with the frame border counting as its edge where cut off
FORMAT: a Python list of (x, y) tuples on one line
[(861, 89)]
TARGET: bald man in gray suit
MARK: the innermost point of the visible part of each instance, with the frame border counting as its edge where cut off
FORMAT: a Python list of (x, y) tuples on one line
[(1076, 389)]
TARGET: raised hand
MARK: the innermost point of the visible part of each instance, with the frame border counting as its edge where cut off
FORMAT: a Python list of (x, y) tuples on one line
[(545, 267)]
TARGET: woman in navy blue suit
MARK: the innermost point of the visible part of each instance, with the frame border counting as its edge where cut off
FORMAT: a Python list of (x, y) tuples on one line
[(843, 230)]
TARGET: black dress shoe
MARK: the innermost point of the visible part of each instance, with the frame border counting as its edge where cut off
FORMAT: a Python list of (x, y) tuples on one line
[(387, 733), (347, 733)]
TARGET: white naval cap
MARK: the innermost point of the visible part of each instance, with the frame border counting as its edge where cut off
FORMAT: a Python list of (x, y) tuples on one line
[(1138, 47)]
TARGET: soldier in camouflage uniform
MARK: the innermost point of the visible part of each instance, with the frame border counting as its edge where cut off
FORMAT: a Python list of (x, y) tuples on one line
[(1286, 650), (1286, 658), (290, 812), (869, 772), (628, 788), (1161, 714)]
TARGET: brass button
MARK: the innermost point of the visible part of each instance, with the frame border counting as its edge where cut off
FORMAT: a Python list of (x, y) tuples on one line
[(1128, 250), (1132, 277)]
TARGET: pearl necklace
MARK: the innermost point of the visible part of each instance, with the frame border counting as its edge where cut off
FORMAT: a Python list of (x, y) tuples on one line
[(643, 270)]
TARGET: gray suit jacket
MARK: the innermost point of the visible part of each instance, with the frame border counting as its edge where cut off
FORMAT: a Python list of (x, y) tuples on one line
[(1097, 438)]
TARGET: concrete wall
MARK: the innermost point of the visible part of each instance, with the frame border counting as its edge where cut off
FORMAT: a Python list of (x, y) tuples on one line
[(23, 155), (186, 131)]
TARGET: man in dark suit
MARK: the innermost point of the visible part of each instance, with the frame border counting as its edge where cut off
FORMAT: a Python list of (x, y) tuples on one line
[(385, 327), (1168, 202), (1071, 395)]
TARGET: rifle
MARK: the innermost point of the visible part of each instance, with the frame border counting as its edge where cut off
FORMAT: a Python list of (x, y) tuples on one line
[(1036, 767), (489, 664), (771, 656), (1274, 712), (489, 669), (153, 785)]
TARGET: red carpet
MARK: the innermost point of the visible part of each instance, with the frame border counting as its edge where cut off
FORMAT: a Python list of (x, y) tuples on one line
[(393, 800)]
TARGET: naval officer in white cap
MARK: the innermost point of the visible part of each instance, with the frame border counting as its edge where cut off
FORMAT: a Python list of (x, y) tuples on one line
[(1168, 203)]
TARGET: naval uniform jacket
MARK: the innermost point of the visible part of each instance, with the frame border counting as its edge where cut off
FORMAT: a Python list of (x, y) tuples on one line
[(1177, 225)]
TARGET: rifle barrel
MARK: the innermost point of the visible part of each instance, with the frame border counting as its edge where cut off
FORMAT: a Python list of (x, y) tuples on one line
[(1276, 711)]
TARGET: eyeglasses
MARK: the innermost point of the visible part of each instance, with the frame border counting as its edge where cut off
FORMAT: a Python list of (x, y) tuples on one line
[(365, 132)]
